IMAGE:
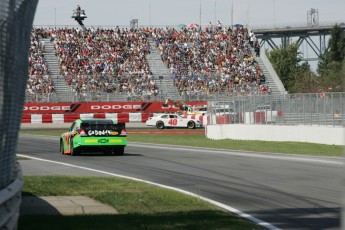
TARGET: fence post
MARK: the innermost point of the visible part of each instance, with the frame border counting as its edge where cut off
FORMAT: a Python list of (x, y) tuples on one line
[(342, 110), (310, 108), (332, 98), (324, 108)]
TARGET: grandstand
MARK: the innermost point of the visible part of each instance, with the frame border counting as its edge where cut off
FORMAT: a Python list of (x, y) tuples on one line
[(145, 64)]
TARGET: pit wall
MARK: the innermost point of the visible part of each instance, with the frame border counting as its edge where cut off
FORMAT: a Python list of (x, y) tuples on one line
[(69, 118), (104, 107), (118, 111), (311, 134)]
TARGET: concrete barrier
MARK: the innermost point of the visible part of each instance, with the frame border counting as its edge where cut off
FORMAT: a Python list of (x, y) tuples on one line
[(311, 134)]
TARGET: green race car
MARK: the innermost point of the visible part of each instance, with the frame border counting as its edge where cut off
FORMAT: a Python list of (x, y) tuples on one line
[(94, 135)]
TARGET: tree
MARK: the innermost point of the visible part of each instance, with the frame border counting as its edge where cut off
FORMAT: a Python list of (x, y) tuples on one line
[(298, 78), (335, 51), (285, 62), (333, 77), (331, 68), (305, 82)]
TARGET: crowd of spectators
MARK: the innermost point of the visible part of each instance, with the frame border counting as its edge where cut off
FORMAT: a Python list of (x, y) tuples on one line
[(39, 80), (214, 60), (108, 60)]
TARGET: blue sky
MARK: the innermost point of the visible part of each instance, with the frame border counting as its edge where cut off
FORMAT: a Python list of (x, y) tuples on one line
[(163, 12)]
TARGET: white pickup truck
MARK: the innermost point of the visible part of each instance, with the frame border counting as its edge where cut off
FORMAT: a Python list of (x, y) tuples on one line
[(265, 114)]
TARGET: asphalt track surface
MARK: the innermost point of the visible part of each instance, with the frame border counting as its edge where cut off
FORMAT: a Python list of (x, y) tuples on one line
[(289, 192)]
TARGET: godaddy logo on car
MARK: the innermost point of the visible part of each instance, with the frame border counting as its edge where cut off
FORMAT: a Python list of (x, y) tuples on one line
[(98, 133)]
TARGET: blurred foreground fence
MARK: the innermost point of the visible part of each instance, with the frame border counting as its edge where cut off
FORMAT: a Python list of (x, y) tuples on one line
[(326, 109), (16, 18)]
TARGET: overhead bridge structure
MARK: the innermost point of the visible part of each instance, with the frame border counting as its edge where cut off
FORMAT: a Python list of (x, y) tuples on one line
[(312, 37)]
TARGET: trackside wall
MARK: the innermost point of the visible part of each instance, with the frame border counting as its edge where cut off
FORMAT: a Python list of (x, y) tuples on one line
[(312, 134)]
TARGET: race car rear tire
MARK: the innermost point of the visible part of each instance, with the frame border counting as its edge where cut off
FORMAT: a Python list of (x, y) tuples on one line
[(62, 151), (160, 125), (112, 151), (109, 152), (74, 152), (121, 150), (191, 125)]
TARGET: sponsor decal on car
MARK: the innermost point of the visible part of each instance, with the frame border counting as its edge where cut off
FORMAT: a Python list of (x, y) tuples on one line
[(103, 141), (116, 141), (98, 132), (91, 141)]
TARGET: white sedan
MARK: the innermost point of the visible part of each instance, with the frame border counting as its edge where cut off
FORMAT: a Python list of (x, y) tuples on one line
[(172, 120)]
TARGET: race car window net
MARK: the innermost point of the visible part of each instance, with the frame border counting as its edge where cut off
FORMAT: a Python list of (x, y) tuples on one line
[(102, 129)]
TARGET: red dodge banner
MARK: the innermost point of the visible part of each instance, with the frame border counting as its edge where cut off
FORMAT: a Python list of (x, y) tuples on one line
[(102, 107)]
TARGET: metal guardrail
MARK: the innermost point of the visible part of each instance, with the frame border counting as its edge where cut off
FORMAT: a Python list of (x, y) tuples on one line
[(10, 200), (101, 95), (322, 109)]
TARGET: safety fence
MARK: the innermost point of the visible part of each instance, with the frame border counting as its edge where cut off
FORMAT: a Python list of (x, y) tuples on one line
[(102, 96), (16, 17), (101, 89), (326, 109)]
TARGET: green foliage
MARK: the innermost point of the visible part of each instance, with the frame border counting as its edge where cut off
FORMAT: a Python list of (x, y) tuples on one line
[(332, 78), (298, 78), (335, 51), (286, 61), (305, 82), (331, 68)]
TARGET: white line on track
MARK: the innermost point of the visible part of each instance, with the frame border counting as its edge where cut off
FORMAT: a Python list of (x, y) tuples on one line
[(239, 153), (274, 156), (221, 205)]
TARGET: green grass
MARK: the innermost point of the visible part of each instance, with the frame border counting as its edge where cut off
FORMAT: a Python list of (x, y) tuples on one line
[(140, 206), (257, 146), (22, 158), (199, 140)]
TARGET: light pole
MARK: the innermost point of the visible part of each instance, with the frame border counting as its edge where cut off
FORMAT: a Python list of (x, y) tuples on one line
[(232, 15), (274, 13), (215, 13), (160, 87), (200, 18), (55, 16), (150, 14)]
